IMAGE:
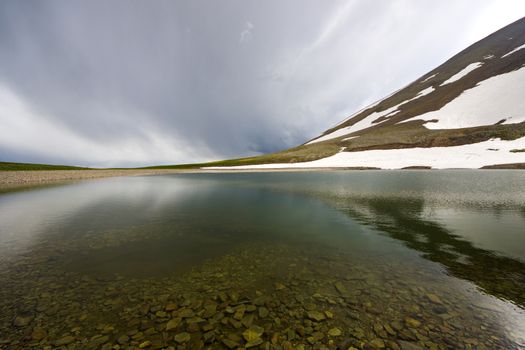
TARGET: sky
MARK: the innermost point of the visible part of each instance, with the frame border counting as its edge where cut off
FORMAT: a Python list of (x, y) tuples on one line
[(133, 83)]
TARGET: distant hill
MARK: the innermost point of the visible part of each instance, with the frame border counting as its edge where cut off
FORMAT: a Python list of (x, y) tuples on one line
[(5, 166)]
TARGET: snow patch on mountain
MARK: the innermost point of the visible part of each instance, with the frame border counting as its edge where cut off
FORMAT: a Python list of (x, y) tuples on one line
[(422, 93), (428, 78), (472, 156), (511, 52), (369, 120), (495, 99), (363, 109), (462, 73)]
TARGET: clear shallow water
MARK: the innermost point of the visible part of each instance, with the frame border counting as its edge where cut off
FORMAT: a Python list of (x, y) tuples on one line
[(397, 260)]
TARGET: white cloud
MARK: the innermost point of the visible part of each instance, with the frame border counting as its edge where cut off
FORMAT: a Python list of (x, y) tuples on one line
[(333, 24), (246, 34), (492, 16), (28, 132)]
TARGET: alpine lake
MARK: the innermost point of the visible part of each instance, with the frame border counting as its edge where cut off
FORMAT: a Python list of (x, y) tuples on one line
[(271, 260)]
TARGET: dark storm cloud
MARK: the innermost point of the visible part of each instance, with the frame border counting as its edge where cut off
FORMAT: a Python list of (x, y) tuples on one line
[(139, 82)]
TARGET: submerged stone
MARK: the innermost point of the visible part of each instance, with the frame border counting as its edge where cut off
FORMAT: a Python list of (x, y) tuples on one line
[(434, 298), (173, 323), (210, 310), (334, 332), (316, 315), (185, 313), (161, 314), (406, 345), (247, 320), (318, 336), (171, 307), (230, 344), (341, 288), (145, 344), (38, 334), (377, 343), (253, 333), (263, 312), (239, 313), (412, 322), (123, 339), (98, 340), (209, 337), (279, 286), (389, 329), (253, 343), (23, 320), (68, 339), (182, 337)]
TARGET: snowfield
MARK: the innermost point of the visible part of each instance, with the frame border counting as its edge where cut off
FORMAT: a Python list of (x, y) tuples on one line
[(350, 138), (471, 156), (428, 78), (369, 120), (511, 52), (462, 73), (477, 106)]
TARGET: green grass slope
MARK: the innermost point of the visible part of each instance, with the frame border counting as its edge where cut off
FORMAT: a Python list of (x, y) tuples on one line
[(8, 166)]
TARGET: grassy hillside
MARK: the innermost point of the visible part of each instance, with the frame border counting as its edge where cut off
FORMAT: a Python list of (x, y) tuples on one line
[(6, 166), (408, 135), (292, 155)]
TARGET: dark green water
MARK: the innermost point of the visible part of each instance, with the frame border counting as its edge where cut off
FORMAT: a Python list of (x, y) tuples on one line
[(327, 260)]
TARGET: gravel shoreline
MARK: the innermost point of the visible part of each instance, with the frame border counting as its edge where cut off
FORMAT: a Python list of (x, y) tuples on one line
[(9, 179), (34, 177)]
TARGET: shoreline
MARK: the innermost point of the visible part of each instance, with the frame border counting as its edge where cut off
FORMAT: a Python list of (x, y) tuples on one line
[(15, 178), (28, 178)]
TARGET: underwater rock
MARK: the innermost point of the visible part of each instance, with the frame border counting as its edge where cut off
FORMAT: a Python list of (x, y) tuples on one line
[(316, 315), (183, 337)]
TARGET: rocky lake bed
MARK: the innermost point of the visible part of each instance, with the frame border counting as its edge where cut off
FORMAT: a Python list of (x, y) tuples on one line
[(262, 296)]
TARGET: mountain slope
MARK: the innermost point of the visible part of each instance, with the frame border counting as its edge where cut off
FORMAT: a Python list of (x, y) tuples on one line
[(469, 112)]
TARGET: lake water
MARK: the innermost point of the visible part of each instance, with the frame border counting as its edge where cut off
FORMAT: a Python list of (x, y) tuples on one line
[(318, 260)]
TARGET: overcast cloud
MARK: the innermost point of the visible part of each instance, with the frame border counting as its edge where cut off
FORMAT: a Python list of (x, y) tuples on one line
[(126, 83)]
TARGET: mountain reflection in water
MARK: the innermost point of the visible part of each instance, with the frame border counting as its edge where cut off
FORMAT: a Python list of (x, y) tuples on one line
[(404, 219)]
